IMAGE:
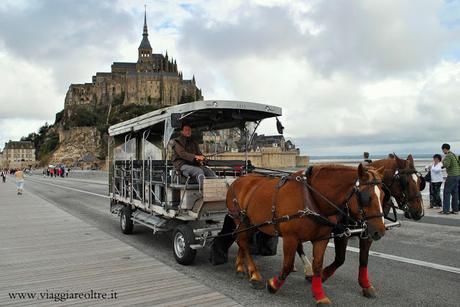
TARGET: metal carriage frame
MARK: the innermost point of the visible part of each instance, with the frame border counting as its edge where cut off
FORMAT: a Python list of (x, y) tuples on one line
[(145, 189)]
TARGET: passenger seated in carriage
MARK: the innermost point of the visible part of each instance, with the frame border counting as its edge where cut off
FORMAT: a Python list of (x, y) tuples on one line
[(187, 157)]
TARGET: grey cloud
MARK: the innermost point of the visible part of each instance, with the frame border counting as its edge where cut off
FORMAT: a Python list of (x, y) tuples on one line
[(393, 132), (375, 39), (259, 31), (359, 42), (62, 35)]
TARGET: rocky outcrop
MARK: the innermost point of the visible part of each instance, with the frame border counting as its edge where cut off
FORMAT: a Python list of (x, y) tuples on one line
[(78, 147)]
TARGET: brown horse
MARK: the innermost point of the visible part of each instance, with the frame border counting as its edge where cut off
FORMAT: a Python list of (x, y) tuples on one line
[(299, 215), (403, 182)]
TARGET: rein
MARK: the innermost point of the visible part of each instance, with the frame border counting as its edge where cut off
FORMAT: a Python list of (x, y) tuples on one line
[(391, 204), (339, 229)]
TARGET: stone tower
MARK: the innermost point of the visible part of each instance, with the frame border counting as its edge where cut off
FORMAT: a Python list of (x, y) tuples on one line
[(145, 61)]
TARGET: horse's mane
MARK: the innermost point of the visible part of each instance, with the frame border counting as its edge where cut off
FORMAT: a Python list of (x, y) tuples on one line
[(345, 168), (335, 166), (373, 171), (318, 168), (393, 164)]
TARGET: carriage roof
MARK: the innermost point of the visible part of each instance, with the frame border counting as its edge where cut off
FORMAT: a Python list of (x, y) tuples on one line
[(212, 114)]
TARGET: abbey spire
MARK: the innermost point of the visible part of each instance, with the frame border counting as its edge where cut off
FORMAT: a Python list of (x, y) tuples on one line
[(145, 50), (146, 32)]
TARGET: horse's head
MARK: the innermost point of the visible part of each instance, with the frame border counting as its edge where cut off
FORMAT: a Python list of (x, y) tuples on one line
[(405, 186), (366, 203)]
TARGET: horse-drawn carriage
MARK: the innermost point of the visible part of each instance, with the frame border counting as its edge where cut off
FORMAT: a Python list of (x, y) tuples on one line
[(147, 190)]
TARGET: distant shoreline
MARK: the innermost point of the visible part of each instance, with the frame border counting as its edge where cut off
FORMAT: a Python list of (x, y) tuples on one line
[(372, 157)]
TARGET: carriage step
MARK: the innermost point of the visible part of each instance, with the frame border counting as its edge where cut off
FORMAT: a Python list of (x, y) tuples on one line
[(392, 225), (116, 208), (148, 220), (200, 231)]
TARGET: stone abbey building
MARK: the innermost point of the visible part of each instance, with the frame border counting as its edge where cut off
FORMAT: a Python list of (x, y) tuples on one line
[(153, 80)]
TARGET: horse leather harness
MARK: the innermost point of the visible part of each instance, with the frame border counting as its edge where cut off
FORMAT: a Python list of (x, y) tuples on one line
[(341, 228), (401, 176)]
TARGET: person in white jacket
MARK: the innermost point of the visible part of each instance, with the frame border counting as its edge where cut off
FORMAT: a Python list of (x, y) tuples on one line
[(436, 181)]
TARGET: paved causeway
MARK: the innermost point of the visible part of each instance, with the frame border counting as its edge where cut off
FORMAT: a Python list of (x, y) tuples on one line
[(48, 257)]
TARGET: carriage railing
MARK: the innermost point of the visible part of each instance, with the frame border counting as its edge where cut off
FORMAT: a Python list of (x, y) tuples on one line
[(146, 180), (131, 177)]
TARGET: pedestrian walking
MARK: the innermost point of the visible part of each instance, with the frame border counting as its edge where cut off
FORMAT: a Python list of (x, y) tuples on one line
[(450, 195), (366, 158), (436, 180), (3, 174), (458, 188), (19, 174)]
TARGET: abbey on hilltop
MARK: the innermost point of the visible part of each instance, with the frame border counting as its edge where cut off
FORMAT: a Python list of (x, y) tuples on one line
[(153, 80), (129, 90)]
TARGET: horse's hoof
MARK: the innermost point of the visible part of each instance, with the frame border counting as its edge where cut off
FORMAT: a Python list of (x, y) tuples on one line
[(257, 284), (324, 301), (270, 288), (241, 275), (370, 292)]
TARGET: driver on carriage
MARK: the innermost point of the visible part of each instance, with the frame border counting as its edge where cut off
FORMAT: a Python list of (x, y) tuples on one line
[(187, 157)]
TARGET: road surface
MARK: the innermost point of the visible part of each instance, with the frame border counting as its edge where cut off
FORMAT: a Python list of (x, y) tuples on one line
[(415, 265)]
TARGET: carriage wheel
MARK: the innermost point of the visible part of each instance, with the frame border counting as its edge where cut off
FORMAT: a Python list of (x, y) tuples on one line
[(183, 237), (126, 224)]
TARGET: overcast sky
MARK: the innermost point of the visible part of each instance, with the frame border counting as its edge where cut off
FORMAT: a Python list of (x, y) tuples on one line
[(379, 76)]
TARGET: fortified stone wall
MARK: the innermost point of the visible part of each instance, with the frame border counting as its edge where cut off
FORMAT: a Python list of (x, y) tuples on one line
[(268, 158)]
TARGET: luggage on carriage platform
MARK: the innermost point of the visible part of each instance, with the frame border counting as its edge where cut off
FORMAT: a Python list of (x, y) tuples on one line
[(260, 244)]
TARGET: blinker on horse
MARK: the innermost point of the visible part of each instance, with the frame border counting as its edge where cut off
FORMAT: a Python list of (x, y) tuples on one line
[(404, 183), (299, 210)]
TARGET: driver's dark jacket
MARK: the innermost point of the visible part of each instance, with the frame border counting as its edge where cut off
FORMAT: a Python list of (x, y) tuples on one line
[(185, 150)]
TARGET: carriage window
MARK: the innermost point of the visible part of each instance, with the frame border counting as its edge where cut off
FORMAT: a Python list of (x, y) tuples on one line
[(153, 148), (125, 151)]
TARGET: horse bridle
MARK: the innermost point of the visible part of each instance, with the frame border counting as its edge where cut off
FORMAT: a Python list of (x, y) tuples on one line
[(403, 184), (364, 198)]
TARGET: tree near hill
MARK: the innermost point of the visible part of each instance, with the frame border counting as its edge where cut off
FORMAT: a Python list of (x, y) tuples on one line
[(45, 142)]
